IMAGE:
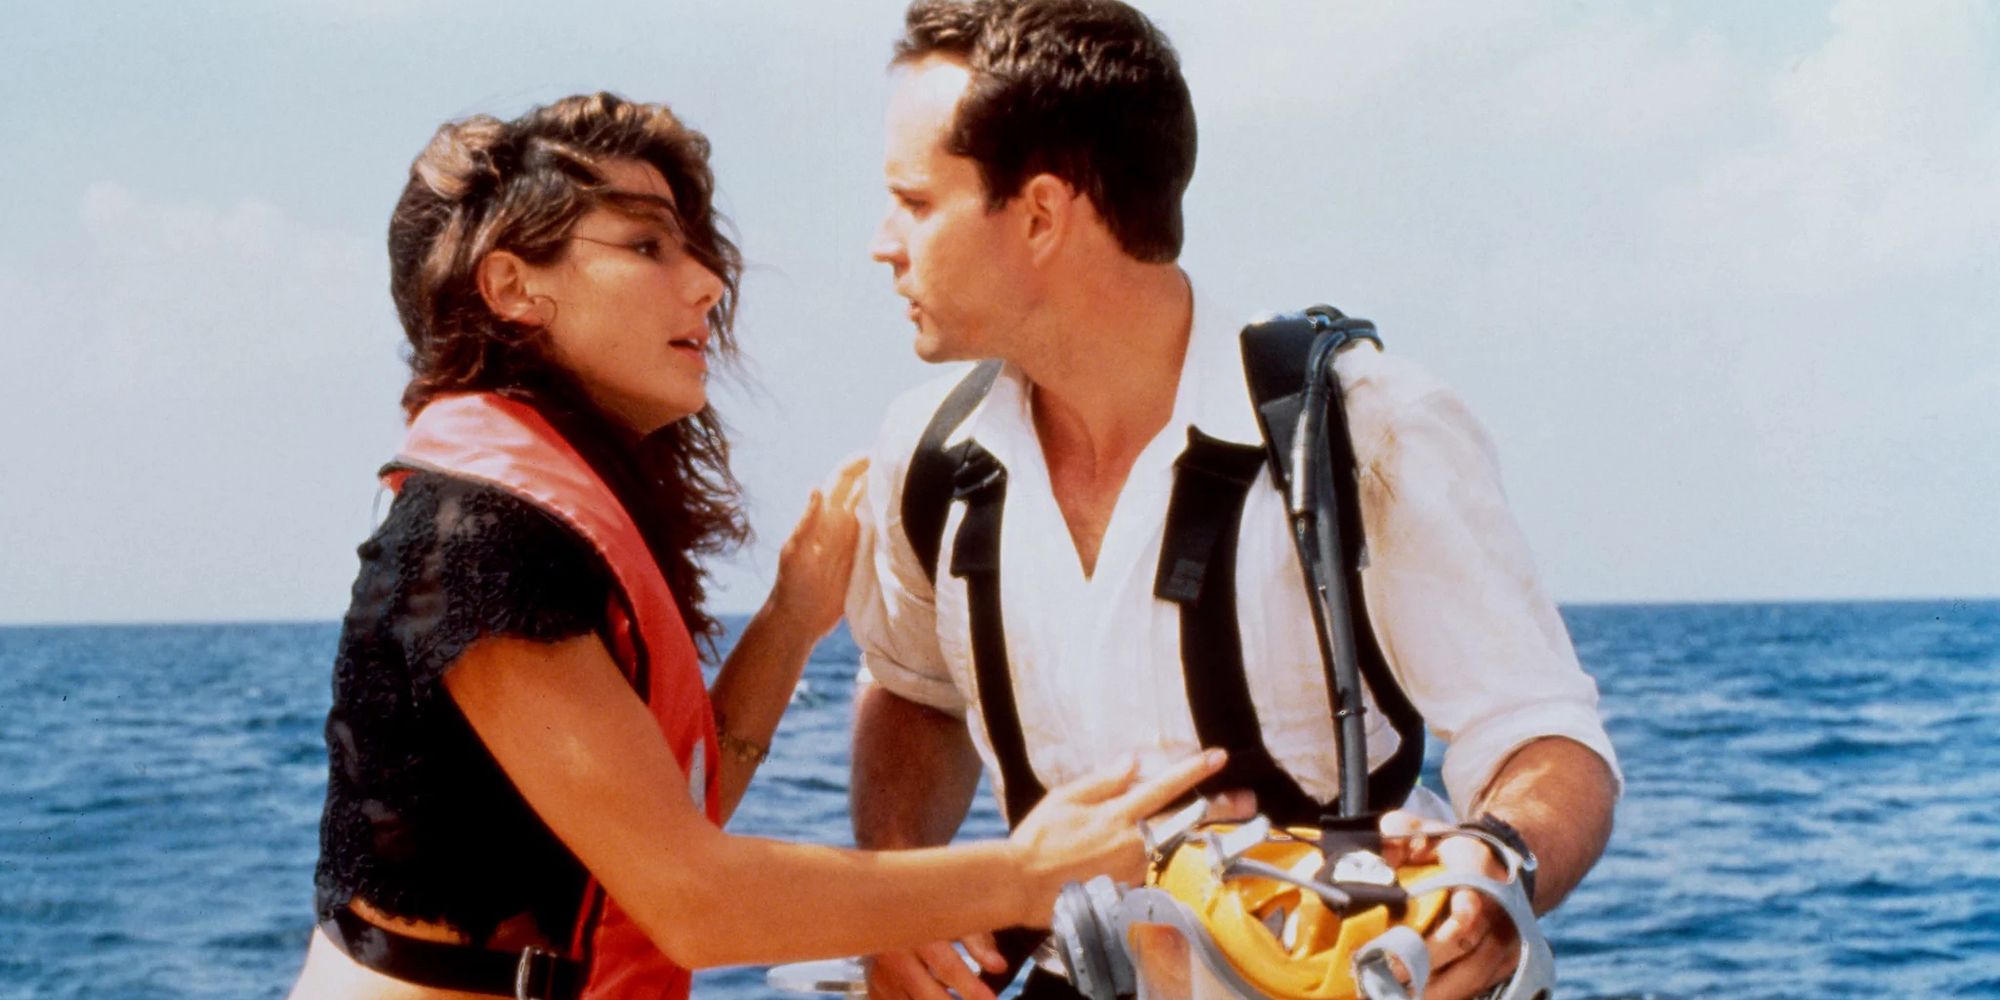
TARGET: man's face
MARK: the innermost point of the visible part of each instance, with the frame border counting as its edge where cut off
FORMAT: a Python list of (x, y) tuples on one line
[(964, 270)]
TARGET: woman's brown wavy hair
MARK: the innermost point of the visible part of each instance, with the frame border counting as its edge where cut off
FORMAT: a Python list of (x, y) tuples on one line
[(484, 184)]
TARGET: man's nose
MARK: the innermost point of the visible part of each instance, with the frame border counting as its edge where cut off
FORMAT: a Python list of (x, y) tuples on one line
[(885, 247)]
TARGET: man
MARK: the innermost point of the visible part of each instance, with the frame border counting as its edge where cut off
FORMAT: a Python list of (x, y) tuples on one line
[(1037, 152)]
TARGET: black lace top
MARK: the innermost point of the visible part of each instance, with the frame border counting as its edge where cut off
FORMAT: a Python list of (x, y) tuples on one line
[(420, 822)]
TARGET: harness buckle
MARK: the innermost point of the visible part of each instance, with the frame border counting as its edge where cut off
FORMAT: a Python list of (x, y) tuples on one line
[(535, 974)]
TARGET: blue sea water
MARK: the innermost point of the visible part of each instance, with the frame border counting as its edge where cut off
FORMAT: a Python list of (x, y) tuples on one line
[(1812, 805)]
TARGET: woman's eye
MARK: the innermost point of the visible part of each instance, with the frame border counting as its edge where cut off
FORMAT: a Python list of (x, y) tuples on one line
[(648, 247)]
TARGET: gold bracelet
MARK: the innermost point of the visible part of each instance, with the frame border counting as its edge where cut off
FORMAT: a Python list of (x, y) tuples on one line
[(736, 746)]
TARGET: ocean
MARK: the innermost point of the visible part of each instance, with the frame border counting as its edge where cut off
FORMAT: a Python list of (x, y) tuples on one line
[(1812, 804)]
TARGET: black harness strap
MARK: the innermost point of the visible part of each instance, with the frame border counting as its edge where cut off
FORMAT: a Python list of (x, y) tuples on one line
[(1198, 571), (981, 482), (927, 484), (938, 475)]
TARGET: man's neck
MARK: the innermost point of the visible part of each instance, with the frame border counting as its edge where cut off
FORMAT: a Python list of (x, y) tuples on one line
[(1109, 366)]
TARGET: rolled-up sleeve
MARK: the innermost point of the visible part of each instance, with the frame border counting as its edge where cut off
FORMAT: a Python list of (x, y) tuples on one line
[(1471, 633), (891, 612)]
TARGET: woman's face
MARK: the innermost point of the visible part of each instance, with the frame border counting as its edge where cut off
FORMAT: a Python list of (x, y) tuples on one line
[(630, 322)]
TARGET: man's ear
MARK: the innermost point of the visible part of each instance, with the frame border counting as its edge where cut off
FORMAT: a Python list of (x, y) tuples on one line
[(1049, 207), (506, 282)]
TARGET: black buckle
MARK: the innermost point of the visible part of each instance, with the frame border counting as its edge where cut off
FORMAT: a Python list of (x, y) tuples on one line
[(536, 974)]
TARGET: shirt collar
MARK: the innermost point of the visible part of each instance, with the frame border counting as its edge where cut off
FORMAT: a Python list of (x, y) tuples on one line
[(1212, 394)]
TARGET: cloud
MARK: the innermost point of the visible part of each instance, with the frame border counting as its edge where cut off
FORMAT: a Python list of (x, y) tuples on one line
[(1882, 162), (1535, 70), (1615, 78), (212, 386)]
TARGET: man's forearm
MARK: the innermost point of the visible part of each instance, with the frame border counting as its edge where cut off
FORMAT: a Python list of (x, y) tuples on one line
[(915, 772), (1559, 795)]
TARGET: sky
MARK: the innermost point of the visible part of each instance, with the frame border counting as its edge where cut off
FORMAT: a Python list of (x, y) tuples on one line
[(1721, 279)]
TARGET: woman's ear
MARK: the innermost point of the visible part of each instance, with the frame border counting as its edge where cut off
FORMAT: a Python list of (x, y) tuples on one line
[(505, 282)]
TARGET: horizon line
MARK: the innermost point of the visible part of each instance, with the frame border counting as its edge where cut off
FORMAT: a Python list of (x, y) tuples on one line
[(114, 623)]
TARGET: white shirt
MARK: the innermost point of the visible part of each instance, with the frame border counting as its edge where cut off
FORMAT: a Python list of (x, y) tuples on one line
[(1096, 664)]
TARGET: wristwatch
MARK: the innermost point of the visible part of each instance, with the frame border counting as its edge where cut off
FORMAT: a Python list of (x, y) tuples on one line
[(1506, 834)]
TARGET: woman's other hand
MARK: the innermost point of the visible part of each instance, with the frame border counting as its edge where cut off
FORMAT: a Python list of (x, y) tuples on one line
[(1090, 826), (818, 558)]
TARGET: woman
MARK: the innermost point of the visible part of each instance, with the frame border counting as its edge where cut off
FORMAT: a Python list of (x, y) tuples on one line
[(527, 780)]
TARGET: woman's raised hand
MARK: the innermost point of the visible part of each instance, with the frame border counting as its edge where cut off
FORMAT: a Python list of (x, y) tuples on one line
[(816, 561), (1090, 826)]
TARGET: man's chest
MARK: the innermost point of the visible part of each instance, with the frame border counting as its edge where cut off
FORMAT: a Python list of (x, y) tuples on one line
[(1099, 629), (1085, 501)]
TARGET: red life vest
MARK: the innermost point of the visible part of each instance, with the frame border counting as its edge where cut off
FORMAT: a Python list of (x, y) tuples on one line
[(505, 443)]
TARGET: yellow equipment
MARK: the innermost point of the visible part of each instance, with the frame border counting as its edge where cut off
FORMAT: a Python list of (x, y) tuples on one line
[(1239, 911)]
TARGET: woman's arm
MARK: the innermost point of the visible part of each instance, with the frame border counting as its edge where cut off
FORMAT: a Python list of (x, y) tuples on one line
[(585, 753), (755, 683)]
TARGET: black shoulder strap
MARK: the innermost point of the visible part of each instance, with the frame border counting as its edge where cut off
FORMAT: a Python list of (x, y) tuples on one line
[(981, 483), (937, 475), (1197, 571), (927, 483), (966, 472), (1274, 362)]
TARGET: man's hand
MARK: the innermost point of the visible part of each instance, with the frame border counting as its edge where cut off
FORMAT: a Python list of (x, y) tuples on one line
[(1558, 794), (914, 776), (1475, 946), (927, 972)]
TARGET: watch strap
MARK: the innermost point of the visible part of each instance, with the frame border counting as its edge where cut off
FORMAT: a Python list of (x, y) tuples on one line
[(1504, 832)]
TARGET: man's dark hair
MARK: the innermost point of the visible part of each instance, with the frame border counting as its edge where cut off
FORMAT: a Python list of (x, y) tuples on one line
[(1087, 90)]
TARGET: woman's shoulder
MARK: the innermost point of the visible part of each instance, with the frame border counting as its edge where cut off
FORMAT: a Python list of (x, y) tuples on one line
[(436, 509), (457, 560)]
